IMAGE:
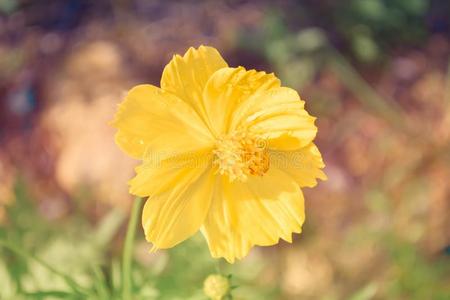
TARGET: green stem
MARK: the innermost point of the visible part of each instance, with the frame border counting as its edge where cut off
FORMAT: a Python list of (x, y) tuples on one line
[(127, 258)]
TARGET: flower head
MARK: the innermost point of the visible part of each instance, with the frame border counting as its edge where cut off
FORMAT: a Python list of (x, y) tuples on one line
[(224, 150)]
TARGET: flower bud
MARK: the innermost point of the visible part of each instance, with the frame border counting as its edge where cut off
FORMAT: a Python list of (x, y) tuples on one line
[(216, 286)]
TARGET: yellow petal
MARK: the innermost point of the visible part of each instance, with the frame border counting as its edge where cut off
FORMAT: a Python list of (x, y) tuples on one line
[(277, 115), (221, 229), (304, 165), (186, 76), (155, 175), (176, 214), (228, 88), (257, 212), (273, 205), (153, 122)]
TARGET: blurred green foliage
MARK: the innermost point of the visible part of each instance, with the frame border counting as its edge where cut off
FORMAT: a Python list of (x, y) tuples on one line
[(8, 6), (374, 26), (73, 259), (366, 29)]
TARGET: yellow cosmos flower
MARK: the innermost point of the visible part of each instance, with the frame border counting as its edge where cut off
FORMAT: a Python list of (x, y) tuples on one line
[(224, 150)]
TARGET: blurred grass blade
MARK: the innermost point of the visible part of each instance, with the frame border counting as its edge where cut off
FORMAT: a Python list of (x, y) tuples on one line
[(51, 295), (116, 275), (100, 283), (16, 249), (366, 293), (108, 227), (447, 86), (363, 91)]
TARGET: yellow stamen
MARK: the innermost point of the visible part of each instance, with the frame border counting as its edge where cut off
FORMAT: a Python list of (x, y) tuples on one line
[(240, 154)]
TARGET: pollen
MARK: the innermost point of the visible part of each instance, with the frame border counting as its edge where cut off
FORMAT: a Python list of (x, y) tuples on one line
[(240, 154)]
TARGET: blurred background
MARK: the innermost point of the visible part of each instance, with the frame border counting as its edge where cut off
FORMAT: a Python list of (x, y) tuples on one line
[(375, 73)]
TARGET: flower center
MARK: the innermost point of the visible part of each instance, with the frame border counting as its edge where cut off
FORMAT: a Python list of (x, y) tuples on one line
[(241, 154)]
